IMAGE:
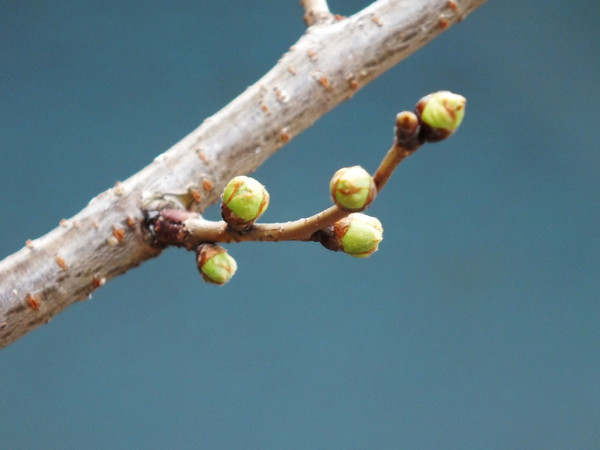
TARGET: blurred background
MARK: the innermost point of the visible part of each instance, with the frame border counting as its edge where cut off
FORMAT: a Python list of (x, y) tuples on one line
[(474, 326)]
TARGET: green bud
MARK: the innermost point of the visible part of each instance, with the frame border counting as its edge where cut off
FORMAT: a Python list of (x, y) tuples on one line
[(441, 113), (243, 201), (215, 264), (362, 235), (352, 188), (358, 235)]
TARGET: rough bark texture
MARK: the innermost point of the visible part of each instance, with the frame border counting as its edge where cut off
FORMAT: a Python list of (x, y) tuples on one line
[(329, 63)]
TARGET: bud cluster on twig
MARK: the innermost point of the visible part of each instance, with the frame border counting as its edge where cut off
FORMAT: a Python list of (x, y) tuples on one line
[(342, 227)]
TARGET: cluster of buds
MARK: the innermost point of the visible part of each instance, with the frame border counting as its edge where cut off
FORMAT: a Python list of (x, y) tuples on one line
[(352, 190), (244, 200)]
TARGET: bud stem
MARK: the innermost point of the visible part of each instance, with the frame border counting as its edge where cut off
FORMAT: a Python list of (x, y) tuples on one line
[(193, 229), (394, 156)]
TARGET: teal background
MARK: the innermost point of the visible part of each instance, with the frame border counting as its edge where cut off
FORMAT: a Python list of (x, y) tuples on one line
[(474, 326)]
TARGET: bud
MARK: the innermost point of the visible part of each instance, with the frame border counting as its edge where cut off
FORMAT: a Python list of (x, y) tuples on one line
[(352, 188), (407, 130), (243, 201), (215, 264), (441, 114), (358, 235)]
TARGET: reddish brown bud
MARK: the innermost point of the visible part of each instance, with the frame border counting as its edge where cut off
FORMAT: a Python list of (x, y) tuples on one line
[(407, 130)]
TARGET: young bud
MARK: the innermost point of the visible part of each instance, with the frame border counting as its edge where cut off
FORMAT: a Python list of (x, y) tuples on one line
[(407, 130), (358, 235), (352, 188), (215, 264), (243, 201), (441, 114)]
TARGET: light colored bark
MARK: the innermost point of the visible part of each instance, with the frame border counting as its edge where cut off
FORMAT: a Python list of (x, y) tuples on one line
[(317, 11), (327, 65)]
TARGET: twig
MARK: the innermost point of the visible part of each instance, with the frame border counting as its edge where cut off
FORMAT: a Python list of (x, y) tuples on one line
[(189, 230), (406, 142)]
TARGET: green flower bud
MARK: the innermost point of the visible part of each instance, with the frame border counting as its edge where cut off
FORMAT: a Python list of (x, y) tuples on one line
[(243, 201), (358, 235), (215, 264), (362, 235), (352, 188), (441, 113)]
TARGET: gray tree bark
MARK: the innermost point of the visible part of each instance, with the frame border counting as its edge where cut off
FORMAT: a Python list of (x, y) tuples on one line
[(329, 63)]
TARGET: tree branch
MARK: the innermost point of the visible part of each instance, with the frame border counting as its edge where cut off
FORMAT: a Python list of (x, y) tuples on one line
[(106, 238)]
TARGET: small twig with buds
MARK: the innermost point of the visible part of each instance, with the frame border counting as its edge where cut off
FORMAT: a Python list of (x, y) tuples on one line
[(342, 227)]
